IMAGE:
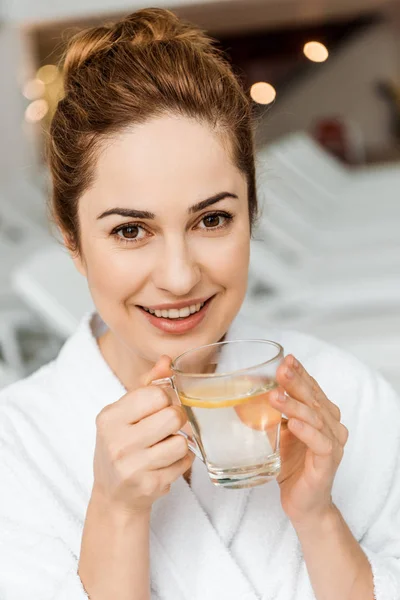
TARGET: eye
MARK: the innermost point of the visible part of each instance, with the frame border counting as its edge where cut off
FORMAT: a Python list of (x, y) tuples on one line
[(130, 232), (215, 220)]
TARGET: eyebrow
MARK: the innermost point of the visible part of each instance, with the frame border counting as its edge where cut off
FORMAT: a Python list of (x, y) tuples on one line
[(145, 214)]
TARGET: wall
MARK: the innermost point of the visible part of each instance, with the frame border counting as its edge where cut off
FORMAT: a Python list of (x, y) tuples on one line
[(343, 85), (36, 10), (13, 153), (18, 156), (264, 11)]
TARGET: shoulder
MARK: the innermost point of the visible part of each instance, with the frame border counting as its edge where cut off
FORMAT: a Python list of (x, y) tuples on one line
[(52, 413), (33, 418), (27, 393), (56, 383), (47, 433), (36, 407)]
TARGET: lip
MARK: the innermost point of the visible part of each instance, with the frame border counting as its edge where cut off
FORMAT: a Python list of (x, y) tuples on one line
[(180, 304), (178, 326)]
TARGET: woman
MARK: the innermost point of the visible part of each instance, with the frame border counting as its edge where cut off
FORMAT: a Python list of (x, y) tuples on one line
[(151, 153)]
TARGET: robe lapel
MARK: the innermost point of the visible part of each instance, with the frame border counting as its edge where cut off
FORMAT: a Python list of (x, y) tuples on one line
[(189, 558), (225, 508)]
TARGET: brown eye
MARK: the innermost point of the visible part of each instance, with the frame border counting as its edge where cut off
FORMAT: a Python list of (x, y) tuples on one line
[(129, 232), (212, 221), (215, 221)]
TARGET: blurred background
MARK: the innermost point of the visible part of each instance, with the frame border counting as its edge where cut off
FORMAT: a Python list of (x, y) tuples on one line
[(324, 78)]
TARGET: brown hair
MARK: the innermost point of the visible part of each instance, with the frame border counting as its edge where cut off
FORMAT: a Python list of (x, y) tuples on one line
[(147, 65)]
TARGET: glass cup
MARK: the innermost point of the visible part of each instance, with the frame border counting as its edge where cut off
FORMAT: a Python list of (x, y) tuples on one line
[(224, 389)]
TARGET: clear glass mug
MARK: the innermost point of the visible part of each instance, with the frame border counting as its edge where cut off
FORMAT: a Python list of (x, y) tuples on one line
[(224, 390)]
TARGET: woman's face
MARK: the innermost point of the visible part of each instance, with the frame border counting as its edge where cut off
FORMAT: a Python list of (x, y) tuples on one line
[(165, 237)]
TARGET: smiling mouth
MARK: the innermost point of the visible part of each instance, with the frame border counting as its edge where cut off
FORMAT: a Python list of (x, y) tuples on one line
[(177, 313)]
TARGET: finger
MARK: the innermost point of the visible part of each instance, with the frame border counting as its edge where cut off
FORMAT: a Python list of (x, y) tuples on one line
[(328, 412), (331, 415), (171, 474), (322, 446), (298, 385), (333, 409), (168, 452), (319, 397), (294, 409), (319, 418), (161, 369), (336, 428), (316, 417), (159, 426), (304, 388), (340, 432), (133, 407)]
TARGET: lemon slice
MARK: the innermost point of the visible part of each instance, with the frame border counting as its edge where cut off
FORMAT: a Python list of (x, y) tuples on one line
[(251, 406), (199, 403)]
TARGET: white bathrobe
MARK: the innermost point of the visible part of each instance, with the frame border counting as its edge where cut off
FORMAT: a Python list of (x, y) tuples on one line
[(207, 543)]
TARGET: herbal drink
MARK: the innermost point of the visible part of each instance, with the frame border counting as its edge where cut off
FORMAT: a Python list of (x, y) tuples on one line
[(235, 427), (225, 389)]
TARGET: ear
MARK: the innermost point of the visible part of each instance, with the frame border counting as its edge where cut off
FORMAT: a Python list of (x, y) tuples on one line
[(75, 254)]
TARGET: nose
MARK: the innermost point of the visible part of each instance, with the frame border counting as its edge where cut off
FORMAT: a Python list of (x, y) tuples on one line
[(177, 271)]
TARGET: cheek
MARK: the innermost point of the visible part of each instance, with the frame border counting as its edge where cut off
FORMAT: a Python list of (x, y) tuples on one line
[(115, 273), (228, 260)]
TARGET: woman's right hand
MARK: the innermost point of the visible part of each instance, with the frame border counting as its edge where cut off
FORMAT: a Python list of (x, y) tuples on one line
[(137, 456)]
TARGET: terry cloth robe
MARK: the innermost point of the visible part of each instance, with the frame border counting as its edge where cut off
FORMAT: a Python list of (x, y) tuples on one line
[(206, 543)]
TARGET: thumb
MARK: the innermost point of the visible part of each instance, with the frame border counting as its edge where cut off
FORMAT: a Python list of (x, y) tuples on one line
[(161, 369)]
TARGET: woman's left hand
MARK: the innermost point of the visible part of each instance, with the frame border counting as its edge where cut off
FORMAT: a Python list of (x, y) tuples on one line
[(312, 444)]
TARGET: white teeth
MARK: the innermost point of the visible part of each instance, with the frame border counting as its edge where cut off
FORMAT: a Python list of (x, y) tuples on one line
[(176, 313)]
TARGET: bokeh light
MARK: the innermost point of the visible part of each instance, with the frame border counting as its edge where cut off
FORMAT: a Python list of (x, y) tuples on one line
[(263, 92), (47, 73), (316, 52), (34, 89), (36, 111)]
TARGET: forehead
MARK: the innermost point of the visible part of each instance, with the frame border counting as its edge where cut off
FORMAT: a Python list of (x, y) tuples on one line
[(166, 157)]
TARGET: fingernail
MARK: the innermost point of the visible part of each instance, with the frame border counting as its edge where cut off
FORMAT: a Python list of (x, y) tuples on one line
[(296, 363), (297, 424), (289, 373)]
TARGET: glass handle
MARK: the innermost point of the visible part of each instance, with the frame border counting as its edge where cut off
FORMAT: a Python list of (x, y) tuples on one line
[(167, 382)]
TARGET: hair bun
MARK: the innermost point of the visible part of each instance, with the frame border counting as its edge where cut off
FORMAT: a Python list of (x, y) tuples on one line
[(140, 28), (155, 24), (82, 47)]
